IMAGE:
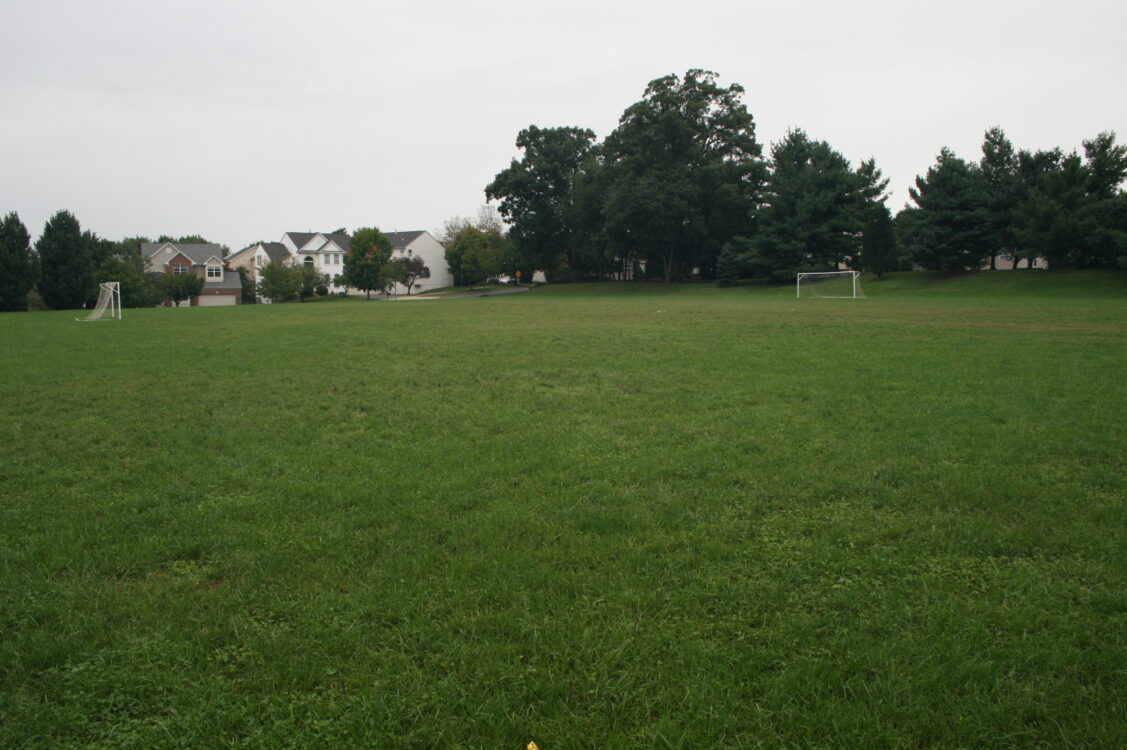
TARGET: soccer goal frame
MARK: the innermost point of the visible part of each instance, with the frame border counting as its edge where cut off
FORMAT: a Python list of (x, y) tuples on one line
[(852, 290), (108, 306)]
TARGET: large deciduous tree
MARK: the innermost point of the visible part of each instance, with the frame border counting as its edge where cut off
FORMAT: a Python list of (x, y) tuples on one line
[(683, 173), (535, 195), (66, 263), (949, 233), (19, 267), (473, 256), (367, 252)]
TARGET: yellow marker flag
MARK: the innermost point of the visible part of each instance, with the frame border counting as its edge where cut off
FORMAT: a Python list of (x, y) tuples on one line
[(532, 746)]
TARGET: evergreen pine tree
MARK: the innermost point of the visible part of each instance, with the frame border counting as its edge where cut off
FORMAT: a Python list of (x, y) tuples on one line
[(817, 206), (728, 266), (66, 263), (999, 167), (18, 267), (949, 233), (878, 243)]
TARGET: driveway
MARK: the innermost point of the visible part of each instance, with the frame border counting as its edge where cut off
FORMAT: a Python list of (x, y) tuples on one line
[(482, 293)]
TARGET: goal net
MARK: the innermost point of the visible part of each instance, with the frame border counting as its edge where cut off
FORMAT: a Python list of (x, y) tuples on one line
[(830, 284), (108, 306)]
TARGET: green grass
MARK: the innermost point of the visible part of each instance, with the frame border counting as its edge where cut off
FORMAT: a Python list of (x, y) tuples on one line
[(599, 516)]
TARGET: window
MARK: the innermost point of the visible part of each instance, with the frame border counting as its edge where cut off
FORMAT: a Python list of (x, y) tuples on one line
[(309, 261), (179, 270), (214, 272)]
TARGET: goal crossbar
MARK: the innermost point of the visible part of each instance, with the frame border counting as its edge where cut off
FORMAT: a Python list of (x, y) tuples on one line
[(108, 306), (829, 284)]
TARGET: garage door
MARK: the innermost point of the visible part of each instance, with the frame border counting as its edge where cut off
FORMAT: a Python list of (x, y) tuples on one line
[(215, 300)]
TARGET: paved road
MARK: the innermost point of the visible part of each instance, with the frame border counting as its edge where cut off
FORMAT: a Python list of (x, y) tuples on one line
[(482, 293)]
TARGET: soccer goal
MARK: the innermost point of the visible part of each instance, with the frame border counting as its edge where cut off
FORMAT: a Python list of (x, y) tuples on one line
[(830, 284), (109, 303)]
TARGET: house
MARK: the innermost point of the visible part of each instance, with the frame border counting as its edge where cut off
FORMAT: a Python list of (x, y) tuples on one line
[(324, 252), (1006, 262), (422, 244), (254, 257), (221, 285)]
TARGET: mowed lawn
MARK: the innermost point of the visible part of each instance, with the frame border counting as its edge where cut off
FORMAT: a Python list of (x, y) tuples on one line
[(609, 516)]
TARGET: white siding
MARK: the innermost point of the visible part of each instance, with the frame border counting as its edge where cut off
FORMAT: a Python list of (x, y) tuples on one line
[(434, 255)]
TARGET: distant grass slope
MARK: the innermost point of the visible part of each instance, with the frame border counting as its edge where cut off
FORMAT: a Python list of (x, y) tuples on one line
[(1022, 283), (605, 516), (1002, 284)]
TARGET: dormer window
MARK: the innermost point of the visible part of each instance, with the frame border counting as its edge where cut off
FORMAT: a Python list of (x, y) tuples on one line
[(214, 272)]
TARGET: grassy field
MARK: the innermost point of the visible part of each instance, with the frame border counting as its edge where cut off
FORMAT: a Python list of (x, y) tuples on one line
[(598, 516)]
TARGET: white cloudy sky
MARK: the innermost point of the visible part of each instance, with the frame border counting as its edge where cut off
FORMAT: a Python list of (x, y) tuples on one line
[(244, 119)]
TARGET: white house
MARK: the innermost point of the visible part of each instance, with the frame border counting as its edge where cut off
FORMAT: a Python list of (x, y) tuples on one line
[(422, 244), (221, 285), (325, 252)]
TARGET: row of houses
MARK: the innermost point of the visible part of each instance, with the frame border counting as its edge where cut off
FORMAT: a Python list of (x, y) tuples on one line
[(319, 250)]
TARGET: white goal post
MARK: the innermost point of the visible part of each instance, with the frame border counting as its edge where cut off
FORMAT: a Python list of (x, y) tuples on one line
[(108, 306), (829, 285)]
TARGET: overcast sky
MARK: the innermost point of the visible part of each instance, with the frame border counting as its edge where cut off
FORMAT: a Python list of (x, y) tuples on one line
[(242, 120)]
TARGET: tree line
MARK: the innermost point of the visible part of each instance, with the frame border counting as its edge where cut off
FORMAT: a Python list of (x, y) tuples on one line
[(1020, 205), (67, 263), (682, 187)]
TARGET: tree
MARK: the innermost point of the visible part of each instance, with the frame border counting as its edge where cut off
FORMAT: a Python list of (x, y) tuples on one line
[(683, 172), (535, 192), (138, 288), (728, 266), (1071, 211), (816, 208), (246, 286), (179, 287), (66, 263), (391, 273), (1051, 222), (1107, 165), (19, 267), (367, 252), (309, 279), (1002, 182), (414, 268), (281, 281), (473, 256), (949, 232), (878, 242)]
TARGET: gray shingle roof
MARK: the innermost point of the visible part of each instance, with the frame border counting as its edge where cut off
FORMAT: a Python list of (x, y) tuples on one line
[(343, 240), (230, 281), (198, 253), (300, 238), (401, 240), (275, 250)]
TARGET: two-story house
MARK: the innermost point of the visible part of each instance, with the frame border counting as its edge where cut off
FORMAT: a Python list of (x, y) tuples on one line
[(221, 285)]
